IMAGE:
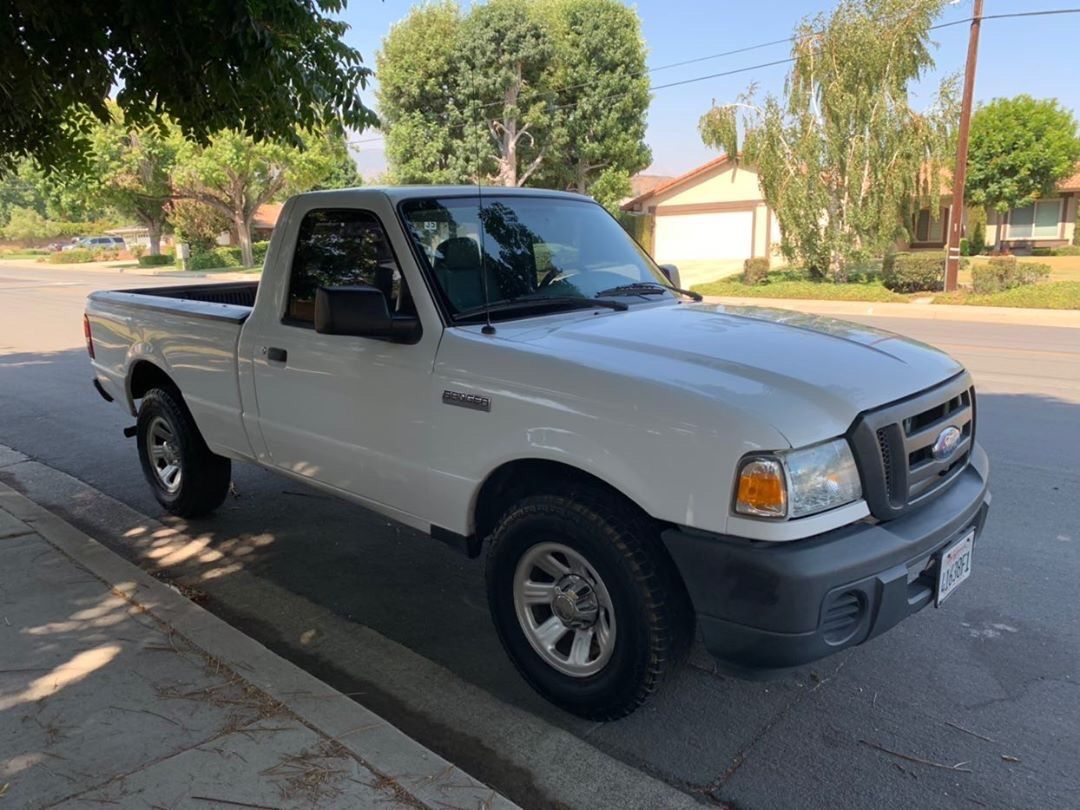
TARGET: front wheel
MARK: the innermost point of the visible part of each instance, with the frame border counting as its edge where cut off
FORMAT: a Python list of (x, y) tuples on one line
[(187, 478), (586, 601)]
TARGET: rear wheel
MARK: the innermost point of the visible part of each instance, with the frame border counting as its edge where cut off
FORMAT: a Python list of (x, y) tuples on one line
[(187, 478), (586, 601)]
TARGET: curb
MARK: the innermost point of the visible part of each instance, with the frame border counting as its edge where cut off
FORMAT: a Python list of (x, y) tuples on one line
[(1016, 316), (427, 776)]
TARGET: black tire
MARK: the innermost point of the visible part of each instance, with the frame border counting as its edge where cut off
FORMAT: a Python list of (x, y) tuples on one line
[(652, 610), (204, 475)]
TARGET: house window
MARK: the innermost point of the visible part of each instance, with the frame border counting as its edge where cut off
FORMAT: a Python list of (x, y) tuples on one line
[(1037, 221), (928, 229)]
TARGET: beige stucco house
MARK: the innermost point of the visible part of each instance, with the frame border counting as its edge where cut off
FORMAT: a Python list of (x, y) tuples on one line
[(709, 220)]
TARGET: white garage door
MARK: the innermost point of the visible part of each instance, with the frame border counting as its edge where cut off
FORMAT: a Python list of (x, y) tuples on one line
[(709, 236)]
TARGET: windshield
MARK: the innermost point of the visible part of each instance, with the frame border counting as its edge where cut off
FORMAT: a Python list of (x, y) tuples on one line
[(534, 248)]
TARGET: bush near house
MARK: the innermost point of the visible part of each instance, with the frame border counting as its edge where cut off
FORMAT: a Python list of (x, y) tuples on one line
[(1065, 250), (82, 256), (226, 257), (913, 272), (160, 260), (1005, 273), (755, 270)]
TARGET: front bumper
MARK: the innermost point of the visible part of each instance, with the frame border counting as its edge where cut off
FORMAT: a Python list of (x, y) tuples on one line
[(765, 606)]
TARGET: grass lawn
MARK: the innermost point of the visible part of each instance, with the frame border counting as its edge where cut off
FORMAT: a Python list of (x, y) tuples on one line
[(796, 284), (1050, 295)]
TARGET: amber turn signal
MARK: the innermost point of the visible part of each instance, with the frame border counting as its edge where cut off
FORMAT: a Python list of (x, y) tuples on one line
[(761, 489)]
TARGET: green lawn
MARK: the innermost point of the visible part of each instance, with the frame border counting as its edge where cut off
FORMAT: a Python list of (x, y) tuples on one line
[(1051, 295), (795, 284)]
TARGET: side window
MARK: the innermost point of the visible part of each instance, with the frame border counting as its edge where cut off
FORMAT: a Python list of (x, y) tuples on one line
[(338, 248)]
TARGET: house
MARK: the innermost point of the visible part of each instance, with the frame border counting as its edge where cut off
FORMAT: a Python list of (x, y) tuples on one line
[(262, 225), (709, 220), (1049, 222), (138, 236)]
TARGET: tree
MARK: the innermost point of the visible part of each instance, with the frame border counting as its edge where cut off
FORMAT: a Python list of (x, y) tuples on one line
[(515, 92), (601, 88), (234, 174), (1019, 149), (844, 157), (417, 66), (196, 223), (264, 68), (133, 170)]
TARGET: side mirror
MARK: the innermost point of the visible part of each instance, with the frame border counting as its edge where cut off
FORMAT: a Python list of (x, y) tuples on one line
[(672, 273), (361, 311)]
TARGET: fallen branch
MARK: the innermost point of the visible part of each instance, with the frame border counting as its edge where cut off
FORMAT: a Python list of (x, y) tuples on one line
[(959, 766)]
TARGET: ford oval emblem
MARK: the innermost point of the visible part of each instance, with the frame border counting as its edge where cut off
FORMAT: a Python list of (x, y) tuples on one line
[(946, 443)]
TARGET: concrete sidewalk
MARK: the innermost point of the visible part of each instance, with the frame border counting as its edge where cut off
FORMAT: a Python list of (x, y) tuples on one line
[(1067, 318), (118, 267), (117, 690)]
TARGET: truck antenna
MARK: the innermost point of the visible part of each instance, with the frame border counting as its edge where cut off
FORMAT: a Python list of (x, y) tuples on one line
[(489, 328)]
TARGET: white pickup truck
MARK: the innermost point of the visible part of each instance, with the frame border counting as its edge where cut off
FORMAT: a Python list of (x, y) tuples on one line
[(509, 372)]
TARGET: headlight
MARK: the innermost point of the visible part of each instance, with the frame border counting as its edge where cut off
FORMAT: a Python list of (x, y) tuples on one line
[(796, 483)]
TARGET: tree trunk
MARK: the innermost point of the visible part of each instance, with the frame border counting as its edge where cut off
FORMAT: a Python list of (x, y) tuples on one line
[(154, 229), (243, 235)]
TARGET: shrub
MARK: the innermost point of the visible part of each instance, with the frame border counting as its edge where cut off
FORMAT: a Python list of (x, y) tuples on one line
[(77, 256), (138, 250), (226, 257), (1005, 273), (913, 272), (965, 247), (755, 270), (160, 260), (1067, 250), (977, 242), (1042, 251)]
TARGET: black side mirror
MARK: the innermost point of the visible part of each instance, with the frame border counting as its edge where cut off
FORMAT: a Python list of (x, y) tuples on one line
[(672, 273), (361, 311)]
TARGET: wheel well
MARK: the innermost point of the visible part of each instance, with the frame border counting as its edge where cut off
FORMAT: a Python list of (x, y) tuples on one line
[(144, 376), (515, 479)]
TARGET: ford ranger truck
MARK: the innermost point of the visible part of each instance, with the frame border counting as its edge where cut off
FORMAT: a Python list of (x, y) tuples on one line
[(509, 372)]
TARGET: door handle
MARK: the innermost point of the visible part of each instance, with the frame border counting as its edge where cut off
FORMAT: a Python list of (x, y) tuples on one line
[(276, 355)]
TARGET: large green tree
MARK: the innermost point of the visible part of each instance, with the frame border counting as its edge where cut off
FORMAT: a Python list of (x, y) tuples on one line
[(234, 174), (601, 90), (516, 92), (1019, 149), (262, 68), (132, 170), (844, 155)]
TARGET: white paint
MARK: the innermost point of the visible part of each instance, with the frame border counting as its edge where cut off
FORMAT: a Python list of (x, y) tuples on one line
[(714, 235)]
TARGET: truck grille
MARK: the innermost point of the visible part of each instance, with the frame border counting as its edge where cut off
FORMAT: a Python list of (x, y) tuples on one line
[(895, 446)]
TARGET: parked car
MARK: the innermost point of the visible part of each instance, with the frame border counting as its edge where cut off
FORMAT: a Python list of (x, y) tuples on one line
[(511, 373), (96, 243)]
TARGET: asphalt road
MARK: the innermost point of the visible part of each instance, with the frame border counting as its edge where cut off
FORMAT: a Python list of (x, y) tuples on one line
[(987, 684)]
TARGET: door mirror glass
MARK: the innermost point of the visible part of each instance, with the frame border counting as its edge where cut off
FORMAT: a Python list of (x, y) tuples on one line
[(672, 273), (361, 311)]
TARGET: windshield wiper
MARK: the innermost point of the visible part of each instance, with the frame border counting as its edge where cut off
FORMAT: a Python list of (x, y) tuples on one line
[(648, 288), (474, 313)]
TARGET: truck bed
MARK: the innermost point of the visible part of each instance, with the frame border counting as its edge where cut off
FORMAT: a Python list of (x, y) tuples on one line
[(227, 302)]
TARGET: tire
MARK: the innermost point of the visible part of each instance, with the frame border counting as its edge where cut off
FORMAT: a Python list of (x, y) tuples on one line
[(168, 438), (647, 622)]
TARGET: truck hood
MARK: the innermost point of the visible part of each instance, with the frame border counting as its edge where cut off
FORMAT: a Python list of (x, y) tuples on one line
[(808, 376)]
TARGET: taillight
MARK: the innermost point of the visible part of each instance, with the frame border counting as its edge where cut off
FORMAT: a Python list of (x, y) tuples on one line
[(89, 337)]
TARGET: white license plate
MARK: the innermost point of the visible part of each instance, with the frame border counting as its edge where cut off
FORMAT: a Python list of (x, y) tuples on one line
[(955, 567)]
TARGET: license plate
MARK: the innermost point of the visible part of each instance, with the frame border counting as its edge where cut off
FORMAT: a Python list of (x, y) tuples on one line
[(955, 567)]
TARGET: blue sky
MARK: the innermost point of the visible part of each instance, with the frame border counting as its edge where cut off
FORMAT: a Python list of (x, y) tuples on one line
[(1036, 55)]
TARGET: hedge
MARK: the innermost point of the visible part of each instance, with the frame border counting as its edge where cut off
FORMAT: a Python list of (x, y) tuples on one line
[(913, 272), (81, 256), (161, 260), (755, 270), (226, 257), (1004, 273)]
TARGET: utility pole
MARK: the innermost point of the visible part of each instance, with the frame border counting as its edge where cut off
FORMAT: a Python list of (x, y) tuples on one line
[(956, 218)]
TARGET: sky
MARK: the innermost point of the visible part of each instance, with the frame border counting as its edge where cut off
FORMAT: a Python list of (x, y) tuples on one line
[(1037, 55)]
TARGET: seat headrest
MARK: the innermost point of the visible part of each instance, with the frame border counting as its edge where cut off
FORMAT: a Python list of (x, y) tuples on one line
[(458, 253)]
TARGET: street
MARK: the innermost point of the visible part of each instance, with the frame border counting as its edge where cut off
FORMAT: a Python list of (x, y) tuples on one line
[(971, 705)]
